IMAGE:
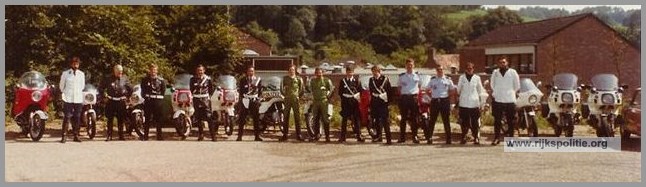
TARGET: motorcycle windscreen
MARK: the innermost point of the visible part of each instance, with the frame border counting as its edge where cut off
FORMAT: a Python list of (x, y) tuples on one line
[(565, 81), (90, 88), (272, 84), (32, 80), (182, 81), (527, 85), (364, 80), (227, 82), (605, 82), (424, 80)]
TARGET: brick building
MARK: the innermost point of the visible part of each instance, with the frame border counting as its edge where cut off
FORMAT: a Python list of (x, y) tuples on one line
[(580, 44)]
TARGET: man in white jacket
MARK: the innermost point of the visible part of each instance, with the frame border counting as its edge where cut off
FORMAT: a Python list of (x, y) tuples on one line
[(470, 89), (71, 85), (504, 84)]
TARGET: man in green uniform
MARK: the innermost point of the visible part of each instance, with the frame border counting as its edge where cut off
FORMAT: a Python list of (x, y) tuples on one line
[(292, 89), (322, 88)]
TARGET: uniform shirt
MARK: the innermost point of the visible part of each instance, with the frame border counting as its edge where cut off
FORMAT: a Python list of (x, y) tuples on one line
[(409, 83), (440, 86), (153, 87), (505, 86), (202, 86), (71, 85), (321, 88), (292, 86), (117, 87), (250, 85), (470, 91), (349, 87), (378, 86)]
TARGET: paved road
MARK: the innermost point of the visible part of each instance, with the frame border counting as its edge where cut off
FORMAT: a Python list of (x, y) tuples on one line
[(191, 161)]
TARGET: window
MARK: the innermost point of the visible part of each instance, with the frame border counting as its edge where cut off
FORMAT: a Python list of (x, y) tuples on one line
[(523, 63)]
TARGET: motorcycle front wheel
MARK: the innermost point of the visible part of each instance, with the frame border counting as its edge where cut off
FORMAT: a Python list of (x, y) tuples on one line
[(36, 128), (91, 126)]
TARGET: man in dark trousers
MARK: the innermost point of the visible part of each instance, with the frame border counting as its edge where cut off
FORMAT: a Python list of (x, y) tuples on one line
[(408, 107), (116, 88), (71, 85), (152, 88), (380, 96), (349, 90), (440, 87), (202, 88), (249, 85)]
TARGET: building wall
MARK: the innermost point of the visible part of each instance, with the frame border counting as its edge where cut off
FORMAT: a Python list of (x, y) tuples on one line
[(255, 44)]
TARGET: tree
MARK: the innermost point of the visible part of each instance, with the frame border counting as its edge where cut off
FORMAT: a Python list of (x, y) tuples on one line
[(492, 20)]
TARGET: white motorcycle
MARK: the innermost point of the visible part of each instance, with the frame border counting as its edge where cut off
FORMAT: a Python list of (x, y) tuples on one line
[(182, 105), (223, 102), (602, 106), (272, 104), (89, 114), (562, 104), (529, 97), (134, 107)]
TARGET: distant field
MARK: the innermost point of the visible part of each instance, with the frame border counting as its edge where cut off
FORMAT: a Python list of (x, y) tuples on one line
[(464, 15)]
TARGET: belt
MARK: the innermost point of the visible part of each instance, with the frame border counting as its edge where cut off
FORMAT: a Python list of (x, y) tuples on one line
[(409, 95), (201, 96), (439, 99), (156, 96), (116, 98), (348, 95)]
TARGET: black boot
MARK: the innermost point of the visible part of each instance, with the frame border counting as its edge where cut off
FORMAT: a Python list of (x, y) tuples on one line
[(200, 131), (64, 131)]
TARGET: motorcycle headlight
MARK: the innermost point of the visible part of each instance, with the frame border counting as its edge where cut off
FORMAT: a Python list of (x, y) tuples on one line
[(607, 99), (36, 96), (533, 99), (183, 98), (567, 98), (230, 96), (89, 98)]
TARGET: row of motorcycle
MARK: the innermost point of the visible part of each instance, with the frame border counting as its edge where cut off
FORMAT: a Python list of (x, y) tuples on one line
[(563, 107)]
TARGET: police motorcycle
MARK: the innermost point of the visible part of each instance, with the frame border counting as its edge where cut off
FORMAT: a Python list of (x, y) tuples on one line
[(134, 108), (272, 104), (364, 105), (424, 100), (602, 106), (182, 102), (223, 102), (528, 101), (30, 104), (89, 117), (562, 103)]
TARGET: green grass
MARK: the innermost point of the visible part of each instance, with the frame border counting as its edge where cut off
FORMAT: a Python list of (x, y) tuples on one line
[(463, 15), (529, 19)]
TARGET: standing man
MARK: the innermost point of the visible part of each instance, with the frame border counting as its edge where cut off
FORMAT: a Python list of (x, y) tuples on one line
[(470, 88), (408, 106), (152, 88), (292, 89), (321, 91), (440, 85), (249, 85), (504, 84), (71, 84), (380, 93), (349, 94), (117, 88), (202, 88)]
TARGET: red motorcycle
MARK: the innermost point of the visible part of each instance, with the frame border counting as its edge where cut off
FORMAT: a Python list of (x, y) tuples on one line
[(30, 105)]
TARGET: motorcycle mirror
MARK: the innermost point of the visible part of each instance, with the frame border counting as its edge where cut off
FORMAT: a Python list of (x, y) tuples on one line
[(486, 82), (539, 83), (625, 86)]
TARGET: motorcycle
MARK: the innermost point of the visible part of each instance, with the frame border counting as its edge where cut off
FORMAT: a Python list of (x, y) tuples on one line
[(308, 101), (529, 97), (272, 104), (134, 107), (424, 100), (182, 103), (602, 106), (562, 103), (364, 106), (30, 105), (223, 102), (89, 117)]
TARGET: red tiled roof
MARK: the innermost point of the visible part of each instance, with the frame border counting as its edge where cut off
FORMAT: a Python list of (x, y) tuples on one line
[(530, 32)]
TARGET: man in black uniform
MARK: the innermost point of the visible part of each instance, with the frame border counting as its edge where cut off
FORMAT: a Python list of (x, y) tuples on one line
[(201, 88), (117, 88), (249, 85), (349, 93), (152, 88), (380, 93)]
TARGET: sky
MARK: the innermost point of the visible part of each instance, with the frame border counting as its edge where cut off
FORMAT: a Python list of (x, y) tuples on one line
[(566, 7)]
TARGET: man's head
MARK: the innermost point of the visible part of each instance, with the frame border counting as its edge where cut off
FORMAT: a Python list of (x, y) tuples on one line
[(410, 64), (75, 62), (376, 71), (318, 72), (250, 71), (152, 70), (349, 71), (117, 70), (199, 71), (292, 70), (469, 68), (502, 62), (440, 70)]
